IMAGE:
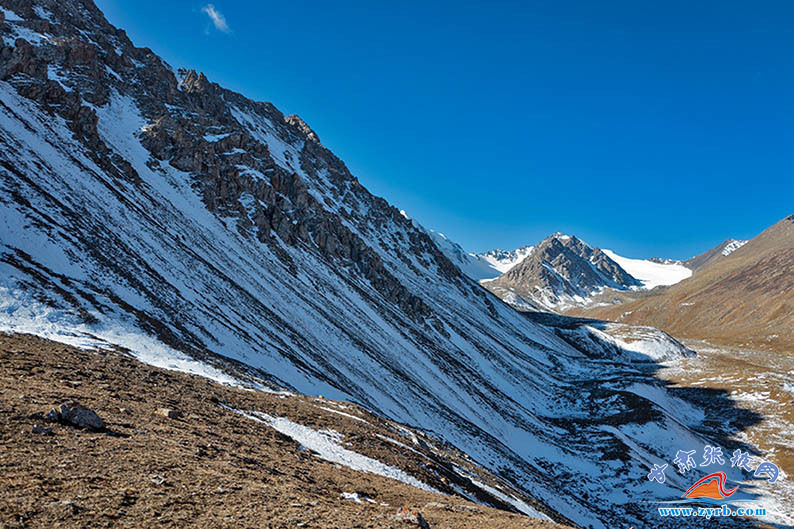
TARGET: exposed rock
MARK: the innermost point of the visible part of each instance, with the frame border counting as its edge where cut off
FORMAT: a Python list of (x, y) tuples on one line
[(42, 430), (76, 415), (560, 271), (170, 413), (294, 119), (411, 516), (68, 507)]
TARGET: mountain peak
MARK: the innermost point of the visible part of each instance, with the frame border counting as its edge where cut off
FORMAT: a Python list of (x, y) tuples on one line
[(306, 130), (562, 271), (561, 236)]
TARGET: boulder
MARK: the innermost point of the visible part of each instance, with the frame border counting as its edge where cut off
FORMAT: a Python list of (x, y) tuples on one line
[(76, 415), (42, 430)]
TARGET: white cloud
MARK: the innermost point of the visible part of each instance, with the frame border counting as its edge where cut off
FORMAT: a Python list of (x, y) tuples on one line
[(217, 18)]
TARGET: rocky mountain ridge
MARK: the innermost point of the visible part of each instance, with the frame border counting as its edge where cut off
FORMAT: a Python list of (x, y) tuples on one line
[(551, 284), (713, 255)]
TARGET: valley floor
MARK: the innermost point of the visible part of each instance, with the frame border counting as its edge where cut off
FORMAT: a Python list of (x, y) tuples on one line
[(762, 382), (209, 467)]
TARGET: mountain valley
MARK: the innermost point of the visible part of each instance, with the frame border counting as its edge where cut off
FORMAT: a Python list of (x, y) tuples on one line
[(271, 345)]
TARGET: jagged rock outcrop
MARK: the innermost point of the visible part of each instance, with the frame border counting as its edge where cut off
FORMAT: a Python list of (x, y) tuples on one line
[(306, 130)]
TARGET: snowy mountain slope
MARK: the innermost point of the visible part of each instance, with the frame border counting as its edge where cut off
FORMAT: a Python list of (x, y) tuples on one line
[(483, 266), (135, 196), (503, 260), (472, 265), (651, 273), (714, 255)]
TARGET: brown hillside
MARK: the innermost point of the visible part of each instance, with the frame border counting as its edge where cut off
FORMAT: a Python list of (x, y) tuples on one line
[(206, 466), (744, 299)]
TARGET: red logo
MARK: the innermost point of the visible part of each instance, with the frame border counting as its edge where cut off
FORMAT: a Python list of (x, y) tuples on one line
[(711, 486)]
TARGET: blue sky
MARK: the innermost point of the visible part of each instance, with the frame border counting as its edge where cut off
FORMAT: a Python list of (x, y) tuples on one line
[(652, 128)]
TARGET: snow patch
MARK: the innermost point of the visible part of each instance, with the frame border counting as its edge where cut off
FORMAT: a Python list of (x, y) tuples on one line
[(327, 445), (343, 414), (649, 273), (512, 500), (10, 15), (20, 313), (732, 247)]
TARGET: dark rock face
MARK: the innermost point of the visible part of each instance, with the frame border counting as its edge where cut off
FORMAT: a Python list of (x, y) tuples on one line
[(561, 271), (191, 128)]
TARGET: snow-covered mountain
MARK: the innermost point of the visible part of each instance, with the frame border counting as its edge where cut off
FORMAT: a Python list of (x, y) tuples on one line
[(504, 260), (472, 265), (561, 271), (483, 266), (546, 281), (153, 209)]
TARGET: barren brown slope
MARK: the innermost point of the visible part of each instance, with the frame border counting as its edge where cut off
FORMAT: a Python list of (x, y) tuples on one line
[(745, 299), (211, 467)]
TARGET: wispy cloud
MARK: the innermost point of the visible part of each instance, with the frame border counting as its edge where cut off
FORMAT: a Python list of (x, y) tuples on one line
[(217, 18)]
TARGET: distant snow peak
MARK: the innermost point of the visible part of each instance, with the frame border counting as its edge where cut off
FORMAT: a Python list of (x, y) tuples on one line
[(504, 260), (732, 246)]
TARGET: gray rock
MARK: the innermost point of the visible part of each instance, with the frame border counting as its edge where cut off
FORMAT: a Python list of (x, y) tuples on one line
[(76, 415), (42, 430)]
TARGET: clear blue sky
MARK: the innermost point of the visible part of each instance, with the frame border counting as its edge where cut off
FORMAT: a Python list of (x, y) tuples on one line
[(649, 127)]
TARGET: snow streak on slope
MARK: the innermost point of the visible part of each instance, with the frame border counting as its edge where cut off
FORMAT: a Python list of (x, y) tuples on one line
[(732, 247), (327, 445), (650, 273), (474, 266), (20, 313)]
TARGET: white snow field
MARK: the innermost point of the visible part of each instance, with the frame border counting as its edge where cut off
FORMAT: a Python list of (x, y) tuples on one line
[(651, 274)]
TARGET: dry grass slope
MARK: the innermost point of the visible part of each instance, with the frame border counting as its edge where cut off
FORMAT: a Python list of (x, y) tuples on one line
[(745, 299)]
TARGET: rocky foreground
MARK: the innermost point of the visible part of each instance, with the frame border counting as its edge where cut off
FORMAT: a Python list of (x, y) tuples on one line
[(170, 451)]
